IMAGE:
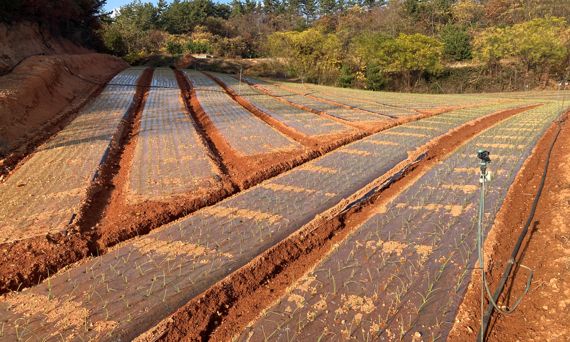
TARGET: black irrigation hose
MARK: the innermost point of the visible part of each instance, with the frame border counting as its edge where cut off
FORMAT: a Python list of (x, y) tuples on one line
[(386, 184), (511, 262)]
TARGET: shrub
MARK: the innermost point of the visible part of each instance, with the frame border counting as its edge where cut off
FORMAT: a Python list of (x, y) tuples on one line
[(174, 48), (311, 54), (407, 55), (540, 43), (456, 43), (347, 77), (492, 45), (198, 46), (231, 47), (535, 44), (114, 40)]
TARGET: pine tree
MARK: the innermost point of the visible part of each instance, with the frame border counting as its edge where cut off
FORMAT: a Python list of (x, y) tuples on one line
[(309, 9), (328, 7), (237, 7)]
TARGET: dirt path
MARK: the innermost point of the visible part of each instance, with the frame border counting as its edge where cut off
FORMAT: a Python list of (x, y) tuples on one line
[(545, 311)]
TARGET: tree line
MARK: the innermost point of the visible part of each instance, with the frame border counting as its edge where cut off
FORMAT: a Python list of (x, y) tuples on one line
[(357, 43), (369, 44)]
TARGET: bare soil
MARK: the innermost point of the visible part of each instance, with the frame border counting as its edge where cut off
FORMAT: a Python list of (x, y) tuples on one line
[(43, 94), (25, 263), (228, 306), (545, 311), (107, 219), (21, 40)]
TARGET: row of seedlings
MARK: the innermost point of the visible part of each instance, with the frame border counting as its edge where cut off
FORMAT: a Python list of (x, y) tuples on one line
[(300, 120), (371, 99), (170, 158), (45, 194), (395, 111), (402, 274), (125, 292), (330, 108), (244, 132)]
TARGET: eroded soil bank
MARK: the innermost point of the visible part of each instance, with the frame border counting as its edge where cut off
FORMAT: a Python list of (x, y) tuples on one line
[(44, 81)]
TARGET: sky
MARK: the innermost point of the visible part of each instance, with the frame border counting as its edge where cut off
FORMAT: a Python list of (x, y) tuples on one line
[(115, 4)]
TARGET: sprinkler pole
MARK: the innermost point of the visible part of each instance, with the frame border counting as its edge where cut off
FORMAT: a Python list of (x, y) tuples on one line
[(484, 177)]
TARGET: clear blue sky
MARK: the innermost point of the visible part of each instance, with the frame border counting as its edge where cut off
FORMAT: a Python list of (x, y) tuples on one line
[(112, 4)]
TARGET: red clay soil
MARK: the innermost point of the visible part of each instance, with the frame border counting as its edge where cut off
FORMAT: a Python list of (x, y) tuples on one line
[(307, 141), (227, 307), (107, 219), (544, 314), (25, 263), (121, 220), (43, 94), (21, 40), (247, 171)]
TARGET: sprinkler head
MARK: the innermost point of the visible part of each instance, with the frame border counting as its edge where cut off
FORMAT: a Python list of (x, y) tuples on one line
[(484, 156)]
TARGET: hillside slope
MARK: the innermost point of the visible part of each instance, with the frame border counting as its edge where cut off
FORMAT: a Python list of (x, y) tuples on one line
[(44, 81)]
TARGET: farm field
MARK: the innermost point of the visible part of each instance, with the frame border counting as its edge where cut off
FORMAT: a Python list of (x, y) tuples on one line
[(370, 100), (170, 157), (320, 106), (303, 121), (404, 271), (203, 186), (38, 203), (247, 134)]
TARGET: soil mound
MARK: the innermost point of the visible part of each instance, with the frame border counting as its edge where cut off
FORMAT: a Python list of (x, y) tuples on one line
[(21, 40), (44, 80), (43, 89)]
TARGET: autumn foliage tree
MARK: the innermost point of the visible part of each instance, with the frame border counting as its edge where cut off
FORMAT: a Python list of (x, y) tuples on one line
[(538, 44), (311, 55)]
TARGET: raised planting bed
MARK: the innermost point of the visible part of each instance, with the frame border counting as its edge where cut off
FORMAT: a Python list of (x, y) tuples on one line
[(170, 157), (244, 132), (402, 274), (330, 108), (46, 192), (303, 121), (118, 295), (399, 103), (339, 97)]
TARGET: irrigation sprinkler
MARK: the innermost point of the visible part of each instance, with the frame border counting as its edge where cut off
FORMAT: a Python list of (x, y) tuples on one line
[(484, 177)]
